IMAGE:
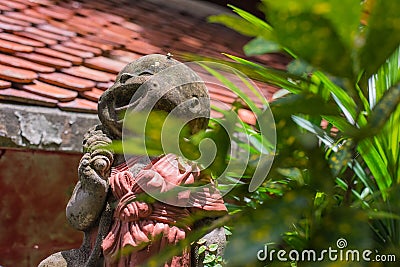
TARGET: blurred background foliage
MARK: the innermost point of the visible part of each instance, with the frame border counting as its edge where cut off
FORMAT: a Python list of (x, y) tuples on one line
[(336, 172)]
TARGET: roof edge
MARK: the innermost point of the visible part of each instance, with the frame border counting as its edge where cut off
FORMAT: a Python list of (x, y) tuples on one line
[(41, 128)]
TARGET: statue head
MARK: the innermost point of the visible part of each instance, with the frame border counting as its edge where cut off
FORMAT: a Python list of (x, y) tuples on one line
[(155, 83)]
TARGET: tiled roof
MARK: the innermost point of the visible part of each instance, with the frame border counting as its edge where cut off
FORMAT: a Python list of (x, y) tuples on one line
[(64, 54)]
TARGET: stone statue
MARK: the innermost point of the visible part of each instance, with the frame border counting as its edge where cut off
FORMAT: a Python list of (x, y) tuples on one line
[(120, 230)]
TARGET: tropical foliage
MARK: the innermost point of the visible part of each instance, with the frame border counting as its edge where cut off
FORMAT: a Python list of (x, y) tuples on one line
[(336, 172)]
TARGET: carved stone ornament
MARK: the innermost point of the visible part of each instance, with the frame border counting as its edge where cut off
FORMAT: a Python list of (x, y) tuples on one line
[(120, 230)]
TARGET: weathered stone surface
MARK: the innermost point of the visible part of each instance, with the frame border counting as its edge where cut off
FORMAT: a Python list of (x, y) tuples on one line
[(43, 128)]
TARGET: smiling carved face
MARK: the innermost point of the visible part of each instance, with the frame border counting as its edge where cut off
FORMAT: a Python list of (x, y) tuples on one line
[(155, 82)]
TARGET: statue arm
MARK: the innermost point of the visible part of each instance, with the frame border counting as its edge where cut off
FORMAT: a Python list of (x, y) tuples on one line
[(90, 193)]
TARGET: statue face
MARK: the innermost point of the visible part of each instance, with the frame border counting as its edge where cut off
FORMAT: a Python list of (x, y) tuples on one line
[(155, 82)]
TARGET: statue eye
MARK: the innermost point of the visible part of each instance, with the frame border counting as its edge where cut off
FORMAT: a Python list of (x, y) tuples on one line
[(125, 76), (146, 72)]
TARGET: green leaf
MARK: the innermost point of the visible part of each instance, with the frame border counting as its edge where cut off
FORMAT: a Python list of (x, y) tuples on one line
[(305, 103), (320, 133), (213, 247), (209, 258), (202, 249), (382, 111), (383, 35), (299, 67), (343, 99), (251, 18), (264, 29), (259, 46), (309, 31), (264, 224), (255, 71), (376, 165), (232, 86), (344, 15), (236, 23), (201, 241)]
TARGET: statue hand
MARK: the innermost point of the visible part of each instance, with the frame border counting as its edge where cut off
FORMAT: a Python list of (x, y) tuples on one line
[(91, 171), (96, 143)]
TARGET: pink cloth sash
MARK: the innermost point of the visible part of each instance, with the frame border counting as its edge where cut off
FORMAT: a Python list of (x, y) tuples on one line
[(140, 230)]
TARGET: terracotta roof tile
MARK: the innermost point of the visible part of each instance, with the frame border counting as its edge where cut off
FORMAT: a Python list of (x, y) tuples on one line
[(191, 41), (132, 26), (123, 55), (4, 84), (36, 37), (247, 116), (101, 40), (46, 34), (102, 46), (93, 94), (24, 64), (24, 17), (13, 4), (20, 40), (122, 31), (112, 38), (222, 98), (87, 12), (142, 47), (90, 74), (78, 53), (29, 3), (82, 47), (50, 91), (21, 96), (33, 13), (56, 54), (56, 30), (109, 17), (104, 86), (17, 75), (10, 27), (67, 81), (56, 12), (5, 8), (41, 40), (104, 63), (43, 2), (92, 22), (14, 21), (78, 105), (45, 60), (11, 47), (79, 28)]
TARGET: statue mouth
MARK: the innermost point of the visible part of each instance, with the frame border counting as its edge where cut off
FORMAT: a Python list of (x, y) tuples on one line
[(128, 94), (120, 111)]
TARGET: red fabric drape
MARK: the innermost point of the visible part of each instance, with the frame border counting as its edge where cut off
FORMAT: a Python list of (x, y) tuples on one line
[(141, 230)]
